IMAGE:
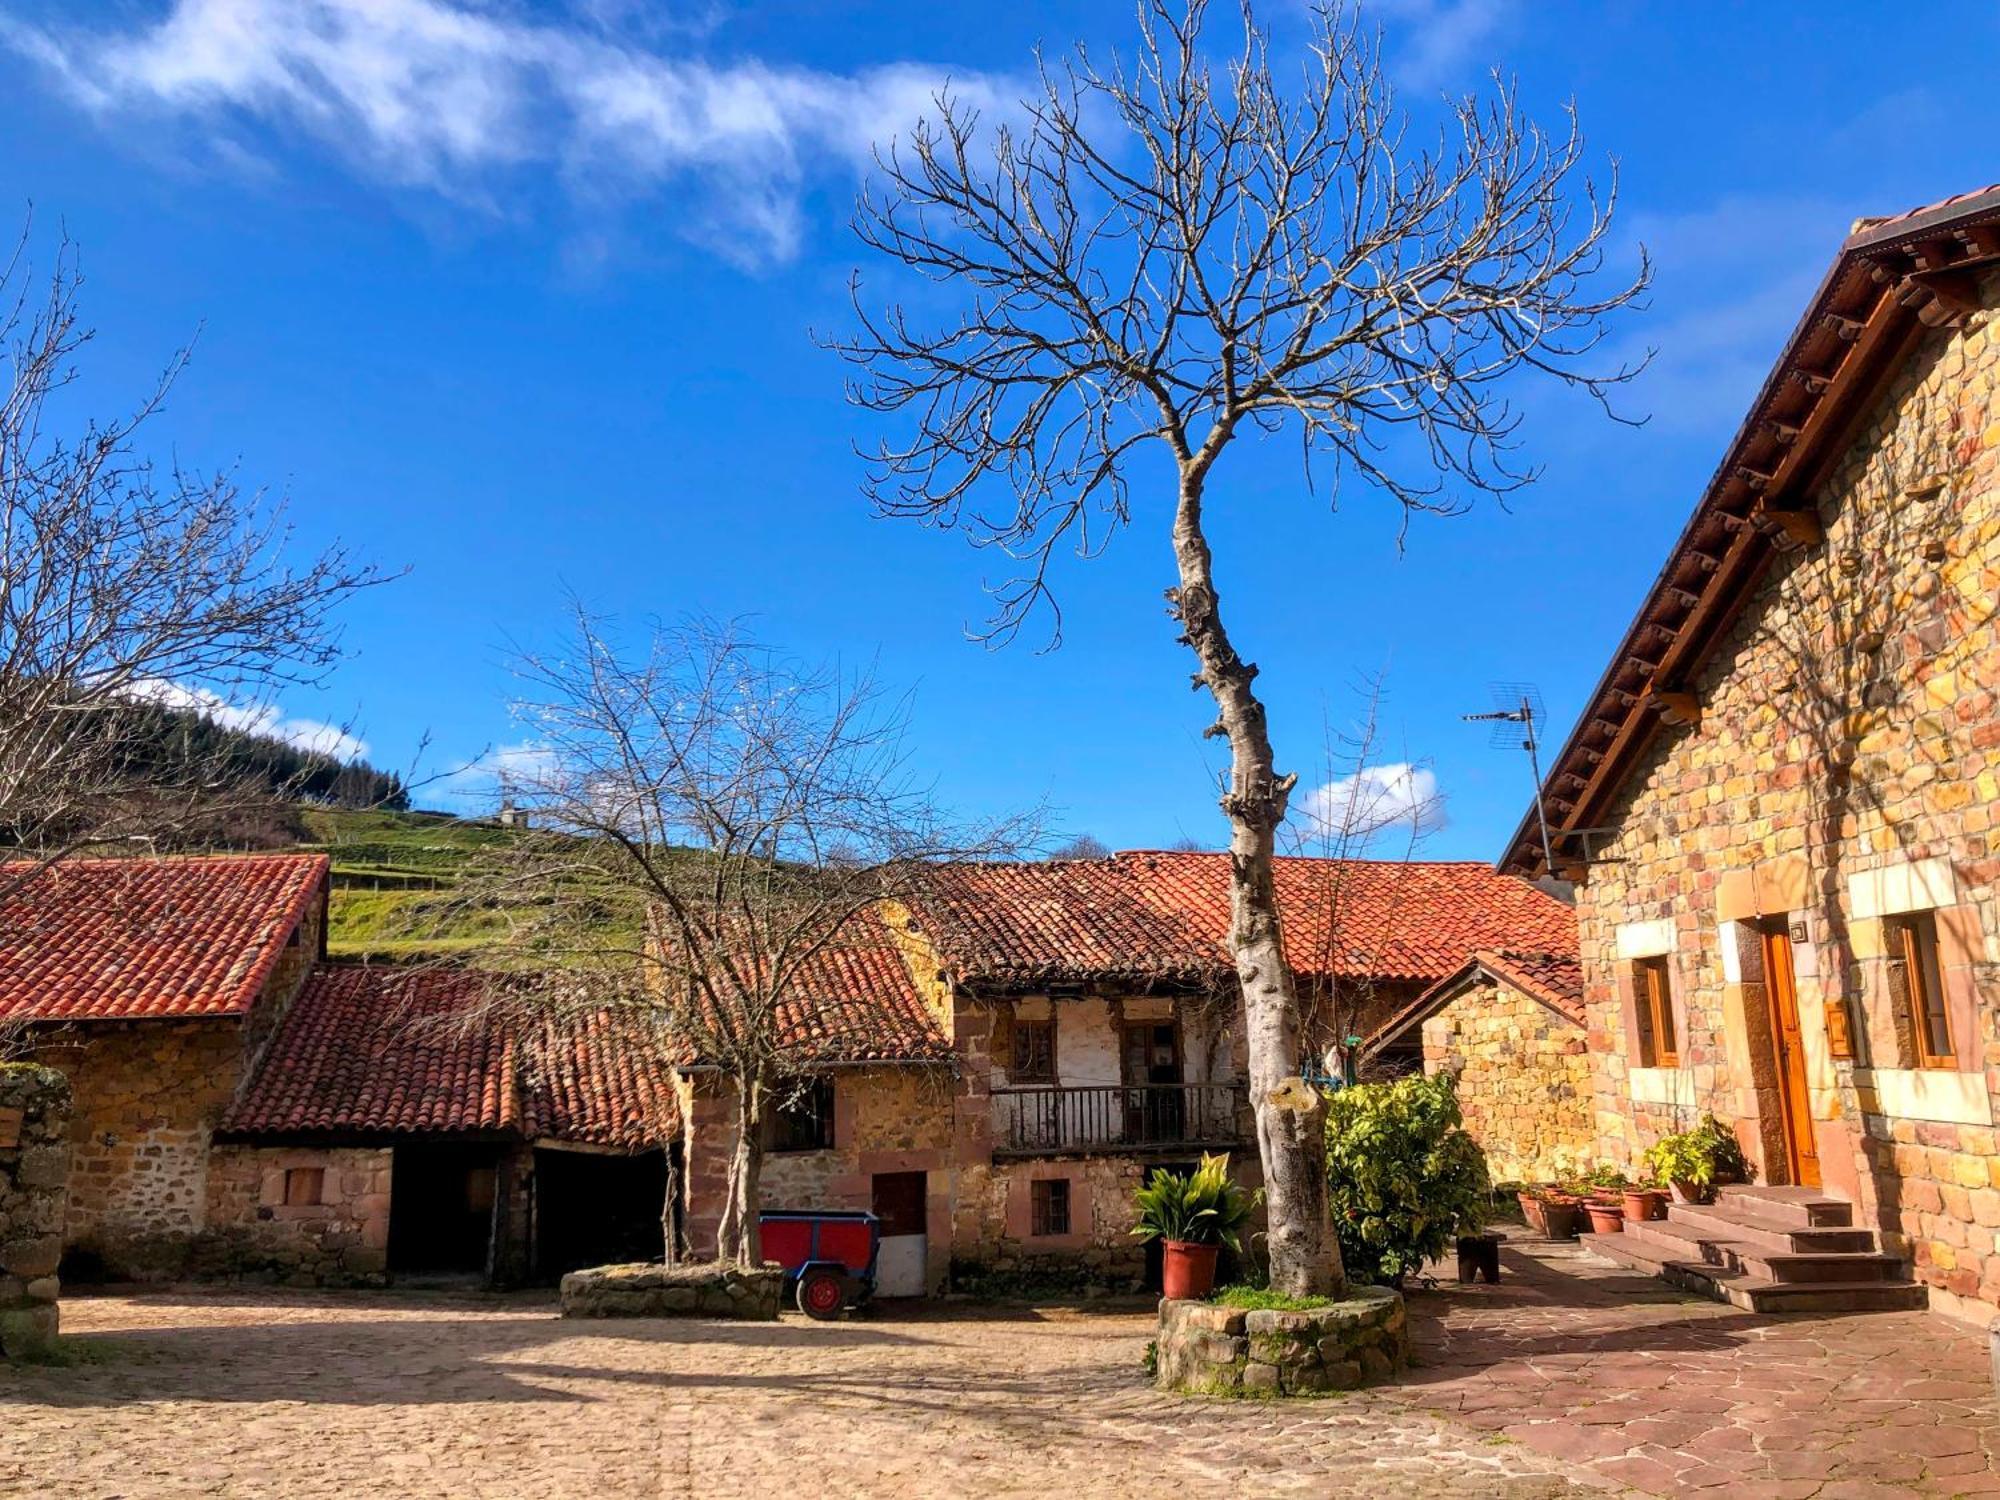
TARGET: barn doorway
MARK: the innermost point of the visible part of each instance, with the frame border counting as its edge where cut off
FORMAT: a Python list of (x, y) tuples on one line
[(596, 1208), (442, 1198)]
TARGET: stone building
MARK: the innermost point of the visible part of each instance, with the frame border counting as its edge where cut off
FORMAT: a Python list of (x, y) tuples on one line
[(1511, 1026), (242, 1107), (1779, 807), (999, 1067)]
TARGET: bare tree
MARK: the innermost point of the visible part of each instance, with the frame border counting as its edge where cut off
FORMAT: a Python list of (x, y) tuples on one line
[(125, 592), (1156, 256), (711, 823), (1083, 846), (1368, 809)]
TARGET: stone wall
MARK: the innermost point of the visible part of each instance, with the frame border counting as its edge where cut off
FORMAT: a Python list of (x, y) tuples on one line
[(1205, 1349), (148, 1095), (1523, 1080), (1846, 765), (343, 1239), (651, 1291), (34, 1169), (886, 1120)]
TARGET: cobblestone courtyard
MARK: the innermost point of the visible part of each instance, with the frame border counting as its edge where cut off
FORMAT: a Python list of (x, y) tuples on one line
[(1568, 1379)]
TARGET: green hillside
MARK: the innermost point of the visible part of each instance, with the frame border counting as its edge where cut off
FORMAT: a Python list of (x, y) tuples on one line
[(393, 878)]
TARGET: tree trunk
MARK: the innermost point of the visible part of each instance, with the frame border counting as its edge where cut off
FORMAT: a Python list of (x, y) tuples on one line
[(1291, 1117), (670, 1240), (740, 1237)]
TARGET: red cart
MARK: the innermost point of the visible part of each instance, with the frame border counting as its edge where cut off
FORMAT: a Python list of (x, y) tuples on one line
[(829, 1256)]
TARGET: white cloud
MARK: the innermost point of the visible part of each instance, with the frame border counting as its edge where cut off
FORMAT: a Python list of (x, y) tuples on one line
[(453, 96), (1443, 43), (1398, 799), (310, 735), (500, 768)]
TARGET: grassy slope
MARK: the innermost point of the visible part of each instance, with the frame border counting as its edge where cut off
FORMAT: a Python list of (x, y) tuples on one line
[(392, 876)]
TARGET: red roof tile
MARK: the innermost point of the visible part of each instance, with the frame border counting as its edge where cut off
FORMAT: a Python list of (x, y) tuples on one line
[(859, 1004), (1161, 914), (377, 1050), (1554, 978), (126, 939)]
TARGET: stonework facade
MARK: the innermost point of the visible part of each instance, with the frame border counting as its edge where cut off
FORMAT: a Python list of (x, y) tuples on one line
[(305, 1216), (1842, 783), (1524, 1080), (34, 1169)]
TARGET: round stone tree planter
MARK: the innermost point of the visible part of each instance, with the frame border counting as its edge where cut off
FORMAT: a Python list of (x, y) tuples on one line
[(1205, 1349)]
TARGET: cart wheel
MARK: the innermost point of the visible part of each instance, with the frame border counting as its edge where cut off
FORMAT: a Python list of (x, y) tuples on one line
[(822, 1295)]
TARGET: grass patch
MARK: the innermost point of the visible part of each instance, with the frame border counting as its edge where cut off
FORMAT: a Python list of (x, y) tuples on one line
[(1263, 1299)]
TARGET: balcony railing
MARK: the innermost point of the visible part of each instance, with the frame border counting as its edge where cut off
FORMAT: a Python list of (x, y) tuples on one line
[(1117, 1118)]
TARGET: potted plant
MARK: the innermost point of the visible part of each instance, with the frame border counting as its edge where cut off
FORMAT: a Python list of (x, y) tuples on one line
[(1193, 1217), (1642, 1201), (1605, 1184), (1557, 1213), (1605, 1218), (1530, 1199), (1693, 1161)]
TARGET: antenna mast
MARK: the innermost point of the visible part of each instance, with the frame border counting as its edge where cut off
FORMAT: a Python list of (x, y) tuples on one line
[(1523, 706)]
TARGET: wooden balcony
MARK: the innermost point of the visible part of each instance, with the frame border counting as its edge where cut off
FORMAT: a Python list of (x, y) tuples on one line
[(1119, 1119)]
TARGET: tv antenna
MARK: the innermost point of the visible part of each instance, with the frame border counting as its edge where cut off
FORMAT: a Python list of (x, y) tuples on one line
[(1517, 708)]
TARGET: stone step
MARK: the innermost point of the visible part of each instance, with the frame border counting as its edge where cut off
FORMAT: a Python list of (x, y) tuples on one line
[(1665, 1241), (1809, 1270), (1793, 1207), (1713, 1221), (1754, 1293)]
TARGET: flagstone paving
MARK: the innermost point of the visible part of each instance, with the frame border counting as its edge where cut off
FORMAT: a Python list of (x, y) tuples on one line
[(1647, 1387), (1569, 1379)]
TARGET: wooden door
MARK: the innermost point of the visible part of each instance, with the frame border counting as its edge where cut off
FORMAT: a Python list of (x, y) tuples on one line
[(1152, 1062), (898, 1200), (1801, 1152)]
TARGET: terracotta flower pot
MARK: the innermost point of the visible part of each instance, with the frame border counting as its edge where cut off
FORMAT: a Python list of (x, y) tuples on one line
[(1641, 1204), (1606, 1218), (1559, 1217), (1531, 1210), (1187, 1270), (1688, 1192)]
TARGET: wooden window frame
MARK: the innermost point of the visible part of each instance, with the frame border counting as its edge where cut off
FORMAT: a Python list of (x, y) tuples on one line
[(807, 1124), (305, 1187), (1914, 949), (1049, 1199), (1653, 1002), (1019, 1065)]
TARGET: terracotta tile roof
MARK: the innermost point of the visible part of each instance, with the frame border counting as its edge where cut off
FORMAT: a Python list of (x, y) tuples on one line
[(1058, 920), (376, 1050), (1553, 977), (861, 1005), (127, 939), (1162, 914)]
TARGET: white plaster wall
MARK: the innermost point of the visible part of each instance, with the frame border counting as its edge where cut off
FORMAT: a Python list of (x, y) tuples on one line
[(1086, 1044)]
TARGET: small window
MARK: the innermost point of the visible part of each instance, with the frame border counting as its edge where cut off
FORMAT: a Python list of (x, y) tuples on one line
[(304, 1186), (1653, 998), (1048, 1206), (1034, 1052), (1917, 985), (804, 1122)]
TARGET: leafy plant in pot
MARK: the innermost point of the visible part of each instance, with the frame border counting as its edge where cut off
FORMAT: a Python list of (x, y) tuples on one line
[(1193, 1216), (1693, 1161)]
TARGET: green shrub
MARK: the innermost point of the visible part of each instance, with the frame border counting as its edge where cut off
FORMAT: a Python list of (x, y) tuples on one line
[(1701, 1157), (1202, 1208), (1262, 1299), (1404, 1178)]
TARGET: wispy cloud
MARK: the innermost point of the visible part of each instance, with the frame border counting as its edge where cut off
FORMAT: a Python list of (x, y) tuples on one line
[(453, 97), (1443, 43), (1351, 812), (496, 772), (310, 735)]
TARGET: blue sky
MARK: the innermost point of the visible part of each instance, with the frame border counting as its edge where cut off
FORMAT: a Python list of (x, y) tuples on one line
[(519, 296)]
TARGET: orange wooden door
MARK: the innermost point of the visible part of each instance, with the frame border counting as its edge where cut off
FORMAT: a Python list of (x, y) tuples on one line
[(1801, 1151)]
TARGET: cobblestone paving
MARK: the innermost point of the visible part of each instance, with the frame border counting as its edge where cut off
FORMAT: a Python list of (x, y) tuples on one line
[(1570, 1378), (1670, 1394), (307, 1394)]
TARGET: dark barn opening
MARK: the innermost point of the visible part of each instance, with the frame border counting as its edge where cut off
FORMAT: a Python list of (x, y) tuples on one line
[(441, 1200), (595, 1208)]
